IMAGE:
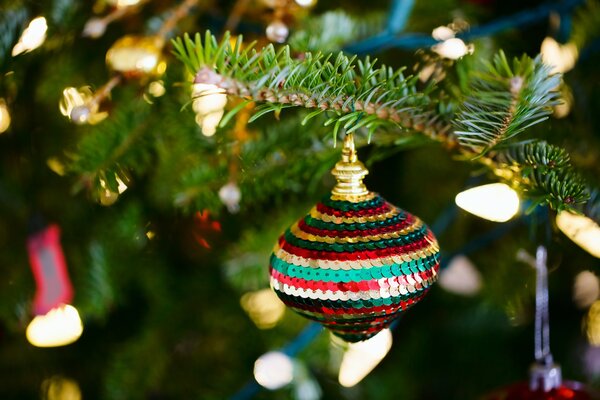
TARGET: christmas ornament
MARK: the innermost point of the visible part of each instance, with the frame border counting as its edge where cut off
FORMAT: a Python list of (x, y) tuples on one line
[(356, 261), (137, 56), (545, 377)]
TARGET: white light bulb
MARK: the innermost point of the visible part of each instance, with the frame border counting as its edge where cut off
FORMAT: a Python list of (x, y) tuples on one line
[(586, 289), (561, 57), (460, 277), (274, 370), (580, 229), (495, 202), (33, 36), (362, 357), (209, 103), (59, 327), (442, 33), (4, 116), (453, 48), (230, 194), (94, 28), (264, 308), (277, 31), (306, 3)]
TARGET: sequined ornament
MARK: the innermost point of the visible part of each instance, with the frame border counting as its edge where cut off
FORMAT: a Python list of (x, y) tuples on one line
[(355, 262), (137, 57)]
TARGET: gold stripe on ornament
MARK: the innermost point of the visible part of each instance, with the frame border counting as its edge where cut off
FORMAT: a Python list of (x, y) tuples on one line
[(314, 213)]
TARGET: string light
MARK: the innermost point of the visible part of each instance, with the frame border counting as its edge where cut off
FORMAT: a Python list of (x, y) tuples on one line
[(442, 33), (362, 357), (277, 31), (561, 57), (264, 308), (586, 289), (495, 202), (59, 327), (593, 324), (79, 106), (274, 370), (59, 388), (306, 3), (453, 48), (209, 104), (461, 277), (581, 230), (4, 116), (33, 36)]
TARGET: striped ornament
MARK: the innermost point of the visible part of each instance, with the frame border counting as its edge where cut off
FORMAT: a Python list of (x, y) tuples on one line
[(354, 263)]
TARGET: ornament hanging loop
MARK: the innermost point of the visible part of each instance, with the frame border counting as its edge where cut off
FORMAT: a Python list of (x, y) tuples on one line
[(544, 373), (349, 173)]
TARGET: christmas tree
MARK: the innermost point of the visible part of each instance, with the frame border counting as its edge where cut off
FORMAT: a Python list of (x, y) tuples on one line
[(159, 160)]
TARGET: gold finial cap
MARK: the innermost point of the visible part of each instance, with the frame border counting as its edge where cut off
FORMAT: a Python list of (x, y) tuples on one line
[(349, 172)]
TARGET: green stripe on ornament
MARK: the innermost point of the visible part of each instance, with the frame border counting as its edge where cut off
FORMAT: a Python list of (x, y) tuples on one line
[(354, 275), (331, 226), (349, 206)]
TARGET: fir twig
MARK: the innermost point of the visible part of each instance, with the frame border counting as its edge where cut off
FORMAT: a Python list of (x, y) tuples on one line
[(357, 92), (504, 101)]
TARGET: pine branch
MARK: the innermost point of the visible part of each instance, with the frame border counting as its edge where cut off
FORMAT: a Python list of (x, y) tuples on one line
[(543, 172), (505, 101), (357, 93), (534, 154)]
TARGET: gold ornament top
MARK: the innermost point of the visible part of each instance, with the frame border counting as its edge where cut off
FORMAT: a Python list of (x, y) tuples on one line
[(349, 173)]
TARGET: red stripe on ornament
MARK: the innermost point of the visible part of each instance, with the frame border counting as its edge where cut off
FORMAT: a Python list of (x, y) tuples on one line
[(356, 255)]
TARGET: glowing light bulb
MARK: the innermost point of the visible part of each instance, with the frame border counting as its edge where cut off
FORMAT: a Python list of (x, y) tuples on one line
[(593, 324), (230, 194), (33, 36), (495, 202), (362, 357), (581, 230), (277, 31), (59, 327), (209, 104), (264, 308), (460, 277), (453, 48), (306, 3), (157, 88), (442, 33), (59, 388), (94, 28), (123, 3), (586, 289), (274, 370), (561, 57), (4, 116)]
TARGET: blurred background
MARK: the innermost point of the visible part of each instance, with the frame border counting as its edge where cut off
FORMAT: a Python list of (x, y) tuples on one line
[(167, 222)]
